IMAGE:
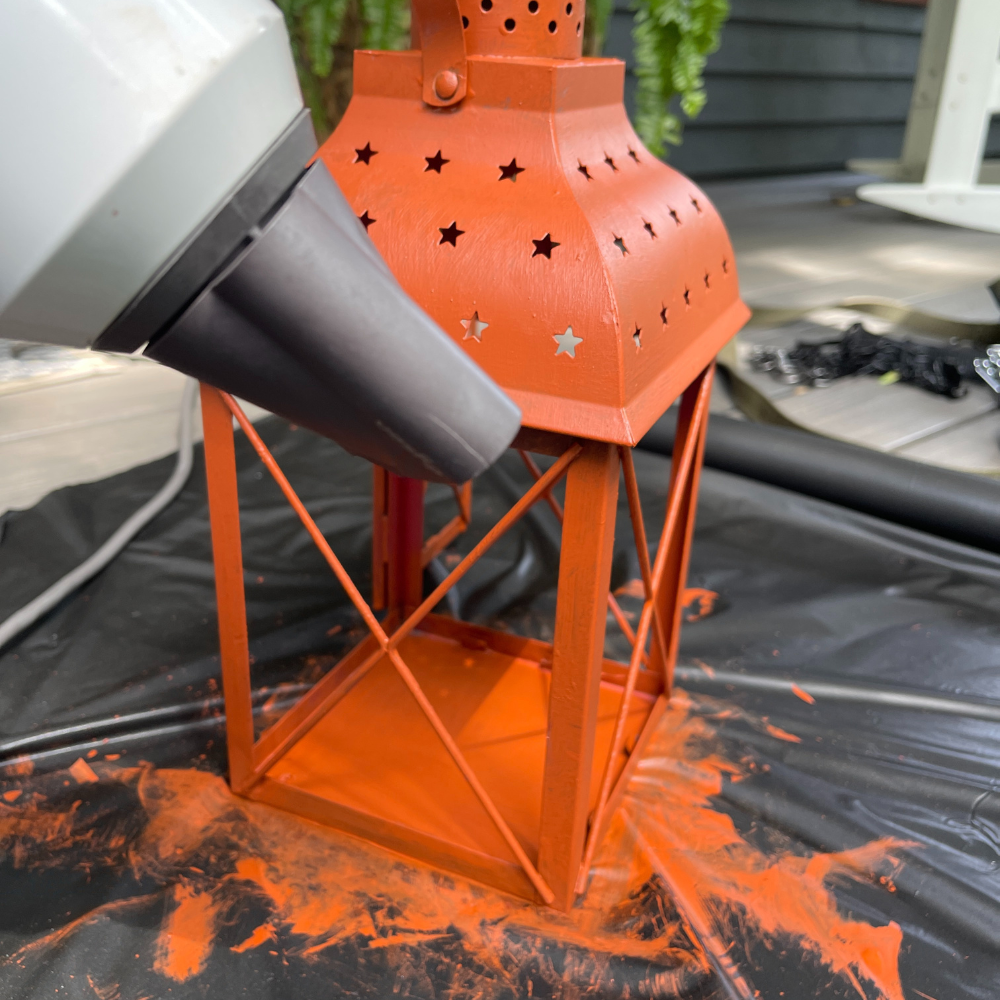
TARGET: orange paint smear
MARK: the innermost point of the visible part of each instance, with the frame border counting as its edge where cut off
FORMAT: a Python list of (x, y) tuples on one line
[(186, 938), (83, 773), (778, 733), (260, 935), (326, 890), (698, 603), (709, 671), (35, 838), (804, 695), (19, 767), (110, 992), (12, 796), (769, 896), (634, 588)]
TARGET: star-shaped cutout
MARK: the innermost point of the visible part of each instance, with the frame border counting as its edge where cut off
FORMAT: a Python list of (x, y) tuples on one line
[(511, 171), (694, 201), (544, 246), (675, 217), (451, 235), (610, 163), (663, 315), (725, 266), (474, 327), (583, 170), (366, 220), (567, 342), (365, 155), (633, 154), (620, 243), (435, 162), (635, 336), (648, 226), (707, 285), (687, 296)]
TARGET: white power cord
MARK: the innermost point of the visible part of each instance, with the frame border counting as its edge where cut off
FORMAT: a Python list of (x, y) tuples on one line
[(90, 567)]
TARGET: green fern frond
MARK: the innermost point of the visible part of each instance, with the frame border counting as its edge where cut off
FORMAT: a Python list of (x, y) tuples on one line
[(387, 24), (673, 39), (596, 25)]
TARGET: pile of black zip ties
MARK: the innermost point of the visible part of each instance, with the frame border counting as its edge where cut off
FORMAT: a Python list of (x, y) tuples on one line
[(939, 369)]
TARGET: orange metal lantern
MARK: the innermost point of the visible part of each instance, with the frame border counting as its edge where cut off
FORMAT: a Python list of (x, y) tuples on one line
[(497, 173)]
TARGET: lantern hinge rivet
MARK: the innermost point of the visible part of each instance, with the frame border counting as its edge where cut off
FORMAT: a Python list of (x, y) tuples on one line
[(446, 84)]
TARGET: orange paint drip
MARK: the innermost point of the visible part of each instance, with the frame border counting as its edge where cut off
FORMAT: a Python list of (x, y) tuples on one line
[(19, 767), (634, 588), (778, 733), (706, 669), (698, 603), (804, 695), (186, 938), (83, 773), (260, 935)]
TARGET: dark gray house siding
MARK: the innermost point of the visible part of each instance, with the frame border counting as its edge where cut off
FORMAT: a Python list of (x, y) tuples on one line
[(798, 85)]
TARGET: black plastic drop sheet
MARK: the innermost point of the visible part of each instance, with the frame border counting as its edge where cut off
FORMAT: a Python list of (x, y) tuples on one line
[(771, 844)]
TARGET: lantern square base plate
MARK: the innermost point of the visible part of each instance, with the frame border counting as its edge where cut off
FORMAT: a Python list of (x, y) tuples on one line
[(374, 767)]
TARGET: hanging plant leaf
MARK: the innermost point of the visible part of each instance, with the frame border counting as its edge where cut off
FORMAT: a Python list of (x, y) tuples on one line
[(673, 39)]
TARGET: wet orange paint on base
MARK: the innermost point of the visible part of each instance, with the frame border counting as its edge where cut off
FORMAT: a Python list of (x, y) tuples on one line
[(324, 889)]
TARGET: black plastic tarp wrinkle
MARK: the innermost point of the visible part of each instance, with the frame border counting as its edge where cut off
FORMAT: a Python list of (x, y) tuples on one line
[(806, 589)]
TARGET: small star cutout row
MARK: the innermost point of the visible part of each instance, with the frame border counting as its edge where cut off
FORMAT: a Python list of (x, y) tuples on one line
[(474, 327), (567, 342)]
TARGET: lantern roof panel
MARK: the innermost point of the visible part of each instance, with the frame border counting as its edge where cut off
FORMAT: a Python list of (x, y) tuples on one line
[(596, 280)]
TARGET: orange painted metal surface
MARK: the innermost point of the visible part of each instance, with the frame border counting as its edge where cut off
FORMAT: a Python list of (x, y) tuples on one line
[(227, 555), (498, 175), (592, 281), (588, 537), (450, 781)]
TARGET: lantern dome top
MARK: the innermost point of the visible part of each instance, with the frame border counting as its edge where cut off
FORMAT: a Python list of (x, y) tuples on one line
[(590, 280)]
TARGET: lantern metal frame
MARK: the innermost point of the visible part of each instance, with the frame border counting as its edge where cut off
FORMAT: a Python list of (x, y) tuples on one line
[(573, 819)]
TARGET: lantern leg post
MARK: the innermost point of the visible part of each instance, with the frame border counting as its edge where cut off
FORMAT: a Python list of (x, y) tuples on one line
[(380, 538), (578, 649), (227, 552), (404, 543), (692, 421)]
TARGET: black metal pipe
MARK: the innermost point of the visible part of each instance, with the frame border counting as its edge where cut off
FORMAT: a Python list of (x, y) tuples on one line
[(955, 505)]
